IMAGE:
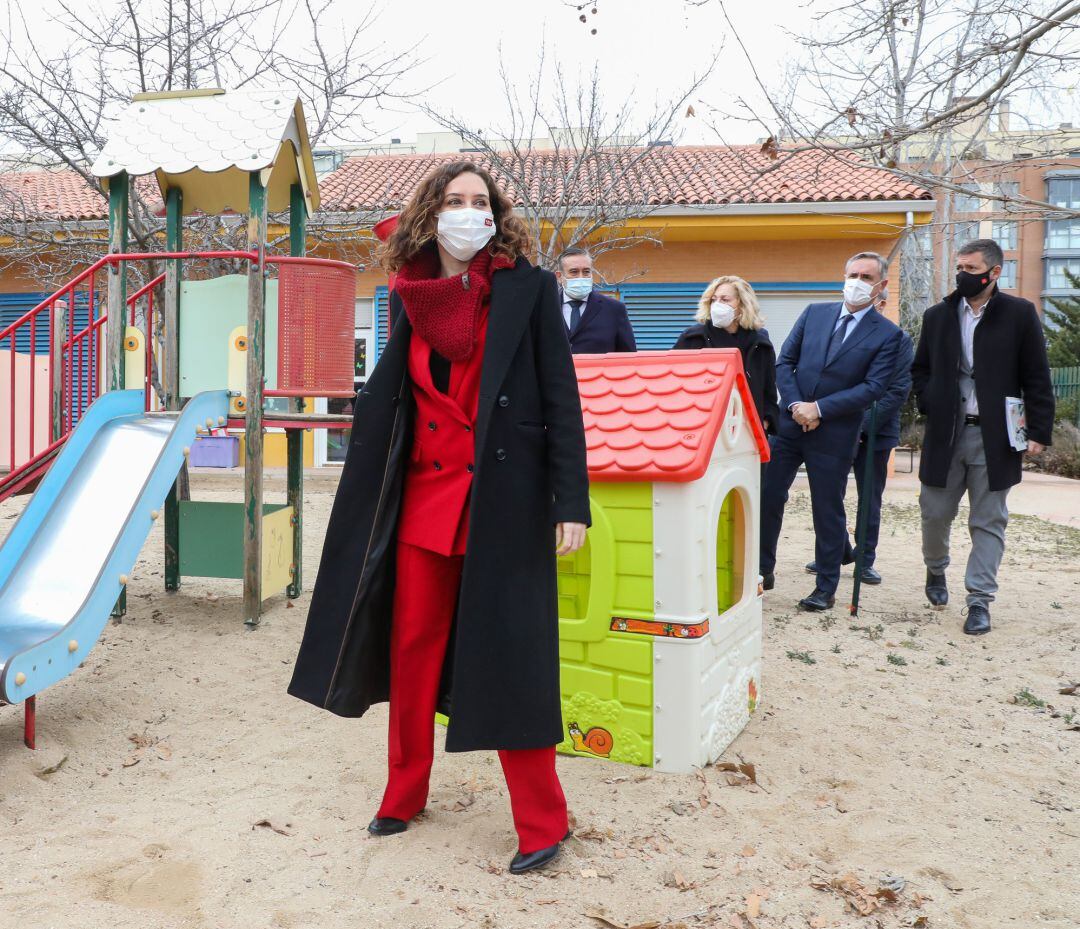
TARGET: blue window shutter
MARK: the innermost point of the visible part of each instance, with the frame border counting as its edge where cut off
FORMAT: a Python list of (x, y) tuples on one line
[(13, 306), (381, 320), (660, 312)]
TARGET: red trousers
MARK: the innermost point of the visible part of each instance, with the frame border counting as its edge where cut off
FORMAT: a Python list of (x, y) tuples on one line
[(424, 601)]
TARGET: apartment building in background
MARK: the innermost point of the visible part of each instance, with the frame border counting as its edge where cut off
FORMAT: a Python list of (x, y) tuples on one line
[(1014, 163)]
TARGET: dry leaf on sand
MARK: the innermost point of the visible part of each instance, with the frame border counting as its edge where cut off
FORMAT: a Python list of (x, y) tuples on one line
[(268, 824), (48, 772), (677, 879), (601, 917), (857, 895)]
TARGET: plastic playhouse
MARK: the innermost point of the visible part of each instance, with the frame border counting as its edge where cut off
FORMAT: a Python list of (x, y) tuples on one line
[(660, 612), (112, 458)]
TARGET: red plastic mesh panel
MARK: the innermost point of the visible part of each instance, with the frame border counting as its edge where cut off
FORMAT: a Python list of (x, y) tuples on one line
[(316, 313)]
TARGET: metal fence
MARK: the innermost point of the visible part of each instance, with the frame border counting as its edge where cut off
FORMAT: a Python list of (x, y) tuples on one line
[(1066, 383)]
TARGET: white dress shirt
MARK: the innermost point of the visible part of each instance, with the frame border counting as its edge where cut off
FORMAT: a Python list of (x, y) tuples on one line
[(856, 318), (567, 309), (969, 319)]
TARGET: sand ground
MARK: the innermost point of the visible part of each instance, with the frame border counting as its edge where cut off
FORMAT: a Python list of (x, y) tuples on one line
[(177, 785)]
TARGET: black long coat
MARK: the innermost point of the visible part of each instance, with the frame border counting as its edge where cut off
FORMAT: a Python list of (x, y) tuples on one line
[(1010, 361), (501, 679), (759, 365)]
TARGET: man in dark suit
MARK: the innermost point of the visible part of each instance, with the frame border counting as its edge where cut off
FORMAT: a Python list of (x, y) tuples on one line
[(839, 358), (886, 439), (596, 323), (977, 348)]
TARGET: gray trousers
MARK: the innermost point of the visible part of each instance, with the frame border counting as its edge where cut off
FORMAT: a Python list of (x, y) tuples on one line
[(987, 518)]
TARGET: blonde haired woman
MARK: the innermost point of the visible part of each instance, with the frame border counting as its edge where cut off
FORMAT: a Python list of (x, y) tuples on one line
[(729, 316)]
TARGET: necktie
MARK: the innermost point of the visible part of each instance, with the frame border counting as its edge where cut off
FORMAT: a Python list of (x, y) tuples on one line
[(838, 336), (575, 313)]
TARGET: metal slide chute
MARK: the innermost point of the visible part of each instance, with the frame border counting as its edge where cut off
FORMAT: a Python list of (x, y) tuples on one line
[(66, 559)]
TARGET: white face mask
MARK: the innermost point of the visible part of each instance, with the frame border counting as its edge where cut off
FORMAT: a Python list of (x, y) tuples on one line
[(464, 232), (723, 314), (857, 293)]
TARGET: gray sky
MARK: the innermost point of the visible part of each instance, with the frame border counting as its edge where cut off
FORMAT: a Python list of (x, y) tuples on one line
[(646, 50)]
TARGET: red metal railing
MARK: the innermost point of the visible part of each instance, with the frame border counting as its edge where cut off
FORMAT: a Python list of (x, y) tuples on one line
[(147, 291), (78, 359), (80, 356)]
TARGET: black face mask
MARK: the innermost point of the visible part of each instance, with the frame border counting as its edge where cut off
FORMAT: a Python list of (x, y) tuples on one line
[(968, 284)]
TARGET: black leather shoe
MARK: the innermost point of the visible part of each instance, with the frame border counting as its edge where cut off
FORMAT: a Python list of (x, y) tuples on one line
[(978, 620), (534, 860), (817, 601), (870, 576), (937, 592), (768, 581), (387, 825)]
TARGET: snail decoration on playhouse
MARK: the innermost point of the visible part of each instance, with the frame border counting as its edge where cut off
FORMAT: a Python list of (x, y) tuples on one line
[(596, 741)]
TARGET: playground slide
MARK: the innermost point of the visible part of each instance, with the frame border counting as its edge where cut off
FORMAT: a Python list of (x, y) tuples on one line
[(65, 561)]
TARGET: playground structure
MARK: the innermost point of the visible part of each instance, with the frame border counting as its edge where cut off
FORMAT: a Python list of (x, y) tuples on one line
[(660, 612), (113, 448)]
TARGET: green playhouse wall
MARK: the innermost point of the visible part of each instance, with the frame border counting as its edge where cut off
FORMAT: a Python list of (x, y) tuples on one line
[(607, 675)]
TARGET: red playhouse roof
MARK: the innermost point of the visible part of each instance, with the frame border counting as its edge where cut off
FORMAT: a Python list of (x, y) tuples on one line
[(655, 416)]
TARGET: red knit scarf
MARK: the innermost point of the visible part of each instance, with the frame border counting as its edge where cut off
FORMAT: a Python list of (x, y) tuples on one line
[(444, 310)]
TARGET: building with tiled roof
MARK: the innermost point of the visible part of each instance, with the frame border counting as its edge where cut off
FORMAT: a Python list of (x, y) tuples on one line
[(664, 176), (786, 226)]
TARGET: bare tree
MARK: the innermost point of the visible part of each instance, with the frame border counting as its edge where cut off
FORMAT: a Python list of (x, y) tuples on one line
[(59, 92), (600, 167), (914, 86)]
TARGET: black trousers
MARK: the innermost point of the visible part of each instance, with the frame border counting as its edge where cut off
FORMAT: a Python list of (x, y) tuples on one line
[(827, 475)]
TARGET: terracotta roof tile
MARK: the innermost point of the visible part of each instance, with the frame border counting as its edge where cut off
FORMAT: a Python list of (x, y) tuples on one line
[(56, 196), (672, 175), (657, 415), (701, 175), (51, 195)]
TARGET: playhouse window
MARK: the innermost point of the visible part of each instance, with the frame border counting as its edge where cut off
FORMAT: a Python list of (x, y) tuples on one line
[(730, 552), (575, 575)]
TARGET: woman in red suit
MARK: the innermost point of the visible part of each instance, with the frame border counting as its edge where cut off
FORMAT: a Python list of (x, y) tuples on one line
[(464, 477)]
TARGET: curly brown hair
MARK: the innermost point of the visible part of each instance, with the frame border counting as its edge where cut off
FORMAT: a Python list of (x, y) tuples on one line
[(416, 227)]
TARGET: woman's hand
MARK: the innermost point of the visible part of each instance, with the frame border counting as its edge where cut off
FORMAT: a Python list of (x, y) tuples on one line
[(569, 537)]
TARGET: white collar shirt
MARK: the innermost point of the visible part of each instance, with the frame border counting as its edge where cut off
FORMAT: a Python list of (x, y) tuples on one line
[(856, 318), (567, 308), (969, 319)]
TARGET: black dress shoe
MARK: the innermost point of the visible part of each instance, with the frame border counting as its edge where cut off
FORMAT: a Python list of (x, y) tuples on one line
[(387, 825), (768, 581), (978, 620), (534, 860), (937, 592), (817, 601)]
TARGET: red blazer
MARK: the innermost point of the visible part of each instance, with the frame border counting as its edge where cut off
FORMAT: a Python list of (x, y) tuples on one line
[(435, 499)]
